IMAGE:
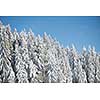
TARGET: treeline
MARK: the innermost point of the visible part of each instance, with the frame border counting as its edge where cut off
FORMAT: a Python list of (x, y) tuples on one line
[(26, 58)]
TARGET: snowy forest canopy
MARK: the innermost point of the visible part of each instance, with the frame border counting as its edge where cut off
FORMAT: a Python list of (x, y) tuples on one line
[(26, 58)]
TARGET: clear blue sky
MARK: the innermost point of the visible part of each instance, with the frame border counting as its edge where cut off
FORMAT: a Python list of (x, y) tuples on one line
[(81, 31)]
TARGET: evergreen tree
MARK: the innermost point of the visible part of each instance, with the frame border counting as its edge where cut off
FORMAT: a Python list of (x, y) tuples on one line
[(97, 68), (78, 73), (6, 73), (91, 66)]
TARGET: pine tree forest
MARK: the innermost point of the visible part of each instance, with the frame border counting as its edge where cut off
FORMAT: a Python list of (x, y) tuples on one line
[(26, 58)]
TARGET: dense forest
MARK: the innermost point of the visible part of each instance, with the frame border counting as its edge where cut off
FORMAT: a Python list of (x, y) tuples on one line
[(26, 58)]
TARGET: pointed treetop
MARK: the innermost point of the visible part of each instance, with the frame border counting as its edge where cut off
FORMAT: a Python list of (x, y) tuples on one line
[(8, 27), (67, 48), (93, 50), (51, 38), (89, 48), (84, 49), (45, 34), (24, 30), (15, 30), (39, 37), (31, 32), (31, 36), (73, 47)]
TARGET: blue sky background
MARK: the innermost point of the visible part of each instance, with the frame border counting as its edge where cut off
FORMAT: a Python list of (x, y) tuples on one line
[(81, 31)]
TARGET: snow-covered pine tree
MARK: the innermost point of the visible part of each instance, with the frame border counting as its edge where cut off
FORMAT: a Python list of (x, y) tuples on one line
[(15, 44), (76, 67), (32, 67), (45, 57), (60, 61), (53, 71), (68, 72), (97, 62), (38, 58), (6, 73), (84, 61), (29, 66), (35, 46), (21, 74), (91, 66)]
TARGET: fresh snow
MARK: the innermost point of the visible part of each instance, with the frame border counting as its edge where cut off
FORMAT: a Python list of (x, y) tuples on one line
[(26, 58)]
